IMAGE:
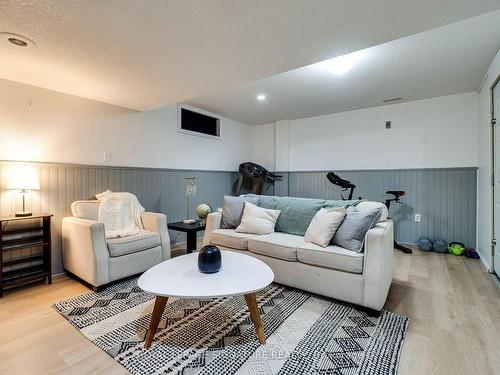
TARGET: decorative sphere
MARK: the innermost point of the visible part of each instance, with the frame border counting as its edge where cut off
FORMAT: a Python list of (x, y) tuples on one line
[(203, 210), (209, 259)]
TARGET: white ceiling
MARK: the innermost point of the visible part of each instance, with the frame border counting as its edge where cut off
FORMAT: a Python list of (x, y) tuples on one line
[(447, 60), (146, 54)]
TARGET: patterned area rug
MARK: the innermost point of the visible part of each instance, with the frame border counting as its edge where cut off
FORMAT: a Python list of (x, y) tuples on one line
[(306, 333)]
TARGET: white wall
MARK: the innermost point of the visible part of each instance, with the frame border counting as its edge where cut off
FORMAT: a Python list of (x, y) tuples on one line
[(42, 125), (430, 133), (263, 146), (484, 228)]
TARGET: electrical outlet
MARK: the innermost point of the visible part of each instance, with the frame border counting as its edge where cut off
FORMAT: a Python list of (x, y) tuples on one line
[(417, 217), (107, 156)]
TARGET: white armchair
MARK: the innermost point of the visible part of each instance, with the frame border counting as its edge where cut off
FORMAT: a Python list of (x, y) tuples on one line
[(99, 261)]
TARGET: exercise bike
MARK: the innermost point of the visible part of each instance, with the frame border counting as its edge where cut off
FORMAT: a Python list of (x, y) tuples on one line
[(344, 184), (397, 194), (348, 185)]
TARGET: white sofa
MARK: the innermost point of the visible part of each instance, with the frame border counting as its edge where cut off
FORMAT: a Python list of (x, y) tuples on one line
[(362, 279), (99, 261)]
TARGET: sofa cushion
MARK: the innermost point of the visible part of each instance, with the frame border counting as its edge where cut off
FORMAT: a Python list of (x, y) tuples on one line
[(230, 238), (351, 233), (132, 244), (276, 245), (324, 225), (297, 213), (370, 205), (331, 257), (257, 220), (232, 209)]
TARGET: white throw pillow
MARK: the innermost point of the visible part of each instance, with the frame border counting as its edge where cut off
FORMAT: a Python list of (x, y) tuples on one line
[(257, 220), (324, 225)]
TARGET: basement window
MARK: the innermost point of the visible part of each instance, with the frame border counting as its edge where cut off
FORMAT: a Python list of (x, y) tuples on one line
[(196, 122)]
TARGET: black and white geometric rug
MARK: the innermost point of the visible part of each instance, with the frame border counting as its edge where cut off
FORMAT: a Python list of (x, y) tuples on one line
[(306, 333)]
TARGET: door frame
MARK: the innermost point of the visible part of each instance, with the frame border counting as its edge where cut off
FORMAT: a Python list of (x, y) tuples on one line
[(492, 174)]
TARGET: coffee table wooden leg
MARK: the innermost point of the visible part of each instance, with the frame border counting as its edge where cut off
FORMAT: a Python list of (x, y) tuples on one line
[(255, 316), (160, 303)]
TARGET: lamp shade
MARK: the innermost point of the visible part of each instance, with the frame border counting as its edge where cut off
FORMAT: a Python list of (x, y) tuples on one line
[(23, 177)]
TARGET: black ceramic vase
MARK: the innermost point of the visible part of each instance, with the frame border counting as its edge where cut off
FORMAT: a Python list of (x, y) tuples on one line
[(209, 259)]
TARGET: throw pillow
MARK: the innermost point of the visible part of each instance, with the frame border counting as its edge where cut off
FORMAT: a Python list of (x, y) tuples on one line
[(257, 220), (324, 225), (351, 233), (232, 210), (370, 205)]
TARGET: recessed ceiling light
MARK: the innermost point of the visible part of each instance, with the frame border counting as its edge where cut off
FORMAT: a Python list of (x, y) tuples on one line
[(342, 64), (17, 40), (261, 97)]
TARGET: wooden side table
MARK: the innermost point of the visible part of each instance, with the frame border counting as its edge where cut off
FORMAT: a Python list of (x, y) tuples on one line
[(191, 230), (16, 235)]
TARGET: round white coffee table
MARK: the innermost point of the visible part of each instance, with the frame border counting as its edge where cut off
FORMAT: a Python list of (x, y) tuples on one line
[(179, 277)]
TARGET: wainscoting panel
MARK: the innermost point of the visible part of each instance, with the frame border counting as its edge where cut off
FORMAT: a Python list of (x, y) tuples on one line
[(445, 198), (158, 190)]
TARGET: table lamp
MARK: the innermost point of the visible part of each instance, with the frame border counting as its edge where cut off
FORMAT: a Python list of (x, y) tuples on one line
[(190, 192), (23, 178)]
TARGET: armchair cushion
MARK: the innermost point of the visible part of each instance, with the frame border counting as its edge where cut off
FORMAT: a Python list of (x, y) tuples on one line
[(132, 244), (85, 209)]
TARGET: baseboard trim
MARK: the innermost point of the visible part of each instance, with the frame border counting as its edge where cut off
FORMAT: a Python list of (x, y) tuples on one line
[(59, 275), (486, 266)]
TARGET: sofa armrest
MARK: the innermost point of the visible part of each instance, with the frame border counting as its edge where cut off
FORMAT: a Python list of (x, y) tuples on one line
[(377, 269), (157, 223), (213, 223), (85, 252)]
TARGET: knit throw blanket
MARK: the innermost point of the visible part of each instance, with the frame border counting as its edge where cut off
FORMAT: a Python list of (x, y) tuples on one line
[(120, 213)]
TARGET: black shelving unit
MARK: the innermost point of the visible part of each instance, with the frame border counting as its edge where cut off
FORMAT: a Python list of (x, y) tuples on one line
[(16, 236)]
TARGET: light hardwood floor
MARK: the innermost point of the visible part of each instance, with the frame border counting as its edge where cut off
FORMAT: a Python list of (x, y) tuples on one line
[(452, 302)]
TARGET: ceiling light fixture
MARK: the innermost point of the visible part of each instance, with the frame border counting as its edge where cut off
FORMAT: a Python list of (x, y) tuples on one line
[(17, 40), (261, 97), (342, 64)]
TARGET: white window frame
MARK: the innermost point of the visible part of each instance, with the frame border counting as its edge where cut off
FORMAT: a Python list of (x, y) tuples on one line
[(196, 134)]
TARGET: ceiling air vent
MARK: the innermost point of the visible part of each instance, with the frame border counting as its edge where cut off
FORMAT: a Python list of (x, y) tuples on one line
[(391, 100)]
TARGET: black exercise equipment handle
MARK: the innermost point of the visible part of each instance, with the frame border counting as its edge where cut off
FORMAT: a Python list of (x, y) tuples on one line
[(397, 195), (344, 184)]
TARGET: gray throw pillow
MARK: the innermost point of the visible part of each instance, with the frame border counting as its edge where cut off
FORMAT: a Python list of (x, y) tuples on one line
[(351, 233), (232, 210)]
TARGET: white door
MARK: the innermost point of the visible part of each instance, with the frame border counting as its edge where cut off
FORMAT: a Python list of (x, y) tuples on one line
[(496, 130)]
